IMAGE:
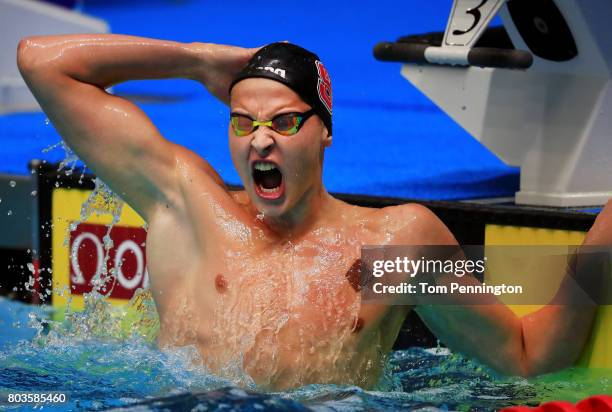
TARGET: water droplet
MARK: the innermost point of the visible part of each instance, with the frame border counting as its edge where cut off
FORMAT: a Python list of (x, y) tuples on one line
[(12, 183), (31, 267), (33, 193), (56, 184), (47, 121), (10, 213)]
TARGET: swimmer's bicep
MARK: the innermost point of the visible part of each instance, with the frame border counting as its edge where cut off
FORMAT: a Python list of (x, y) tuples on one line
[(117, 141)]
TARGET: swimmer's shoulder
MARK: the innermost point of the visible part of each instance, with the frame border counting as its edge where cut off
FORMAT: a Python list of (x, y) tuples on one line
[(403, 212), (415, 224)]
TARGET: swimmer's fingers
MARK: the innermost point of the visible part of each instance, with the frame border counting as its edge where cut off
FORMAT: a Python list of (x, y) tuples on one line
[(220, 65)]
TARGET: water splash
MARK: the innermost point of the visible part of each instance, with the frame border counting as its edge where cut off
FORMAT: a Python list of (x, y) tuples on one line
[(101, 201), (69, 163), (99, 360), (117, 369)]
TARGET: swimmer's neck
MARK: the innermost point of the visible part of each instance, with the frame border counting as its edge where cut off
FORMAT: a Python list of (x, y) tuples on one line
[(310, 212)]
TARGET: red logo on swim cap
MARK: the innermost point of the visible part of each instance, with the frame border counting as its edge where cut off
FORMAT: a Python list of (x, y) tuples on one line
[(324, 86)]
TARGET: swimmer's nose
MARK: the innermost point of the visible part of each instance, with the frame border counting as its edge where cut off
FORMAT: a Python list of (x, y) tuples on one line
[(262, 142)]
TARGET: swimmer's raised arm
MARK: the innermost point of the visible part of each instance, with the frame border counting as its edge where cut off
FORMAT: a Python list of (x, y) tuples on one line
[(68, 76), (516, 346)]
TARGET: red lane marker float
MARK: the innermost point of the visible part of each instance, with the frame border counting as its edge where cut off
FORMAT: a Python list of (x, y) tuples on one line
[(599, 403)]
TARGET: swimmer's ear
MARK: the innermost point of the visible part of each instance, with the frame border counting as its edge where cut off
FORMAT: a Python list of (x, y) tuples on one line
[(327, 137)]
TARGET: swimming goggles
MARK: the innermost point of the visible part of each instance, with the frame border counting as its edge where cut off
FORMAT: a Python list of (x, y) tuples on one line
[(286, 124)]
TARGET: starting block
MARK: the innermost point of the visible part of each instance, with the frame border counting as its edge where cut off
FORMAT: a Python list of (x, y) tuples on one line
[(536, 92)]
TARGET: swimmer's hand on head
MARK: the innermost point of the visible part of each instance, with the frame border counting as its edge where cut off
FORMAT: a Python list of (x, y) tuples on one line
[(69, 75), (220, 65)]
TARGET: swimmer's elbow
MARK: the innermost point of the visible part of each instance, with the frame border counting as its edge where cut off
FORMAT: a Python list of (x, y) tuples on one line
[(529, 369), (36, 57), (522, 369), (526, 360), (28, 59)]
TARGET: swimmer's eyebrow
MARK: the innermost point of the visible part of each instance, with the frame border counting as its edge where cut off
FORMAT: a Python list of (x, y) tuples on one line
[(240, 113)]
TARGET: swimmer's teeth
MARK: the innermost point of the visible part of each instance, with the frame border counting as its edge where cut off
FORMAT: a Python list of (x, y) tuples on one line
[(274, 189), (264, 167)]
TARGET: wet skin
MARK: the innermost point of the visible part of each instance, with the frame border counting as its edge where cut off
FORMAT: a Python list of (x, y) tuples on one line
[(271, 284), (285, 305), (265, 287)]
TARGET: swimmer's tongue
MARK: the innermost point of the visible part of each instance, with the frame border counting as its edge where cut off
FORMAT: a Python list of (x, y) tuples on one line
[(268, 179)]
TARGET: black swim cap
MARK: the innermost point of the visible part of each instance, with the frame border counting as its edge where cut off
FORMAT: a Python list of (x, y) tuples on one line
[(298, 69)]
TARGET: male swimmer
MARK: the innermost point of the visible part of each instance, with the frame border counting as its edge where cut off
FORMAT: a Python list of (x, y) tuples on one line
[(260, 280)]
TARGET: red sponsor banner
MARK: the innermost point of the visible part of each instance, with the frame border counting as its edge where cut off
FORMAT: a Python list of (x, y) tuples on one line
[(125, 260)]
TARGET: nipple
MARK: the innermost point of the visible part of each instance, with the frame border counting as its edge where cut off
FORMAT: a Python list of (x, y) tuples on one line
[(220, 283)]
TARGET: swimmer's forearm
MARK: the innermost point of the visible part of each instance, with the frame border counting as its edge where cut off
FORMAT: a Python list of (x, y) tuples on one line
[(570, 323), (469, 329), (523, 346), (107, 59), (555, 336)]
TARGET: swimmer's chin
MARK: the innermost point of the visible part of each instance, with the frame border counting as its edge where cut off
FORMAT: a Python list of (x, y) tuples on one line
[(268, 212), (272, 206)]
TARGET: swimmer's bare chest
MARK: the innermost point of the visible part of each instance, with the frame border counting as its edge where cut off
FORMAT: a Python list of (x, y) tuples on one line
[(224, 285)]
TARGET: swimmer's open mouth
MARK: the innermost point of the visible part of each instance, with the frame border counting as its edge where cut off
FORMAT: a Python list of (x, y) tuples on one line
[(268, 180)]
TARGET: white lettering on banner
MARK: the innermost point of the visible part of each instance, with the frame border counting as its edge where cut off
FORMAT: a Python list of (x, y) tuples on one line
[(124, 247), (141, 273), (74, 256)]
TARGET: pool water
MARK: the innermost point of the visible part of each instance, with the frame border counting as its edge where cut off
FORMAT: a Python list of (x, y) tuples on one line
[(98, 368)]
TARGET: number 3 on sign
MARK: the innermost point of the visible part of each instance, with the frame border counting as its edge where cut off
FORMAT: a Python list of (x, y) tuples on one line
[(468, 19)]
